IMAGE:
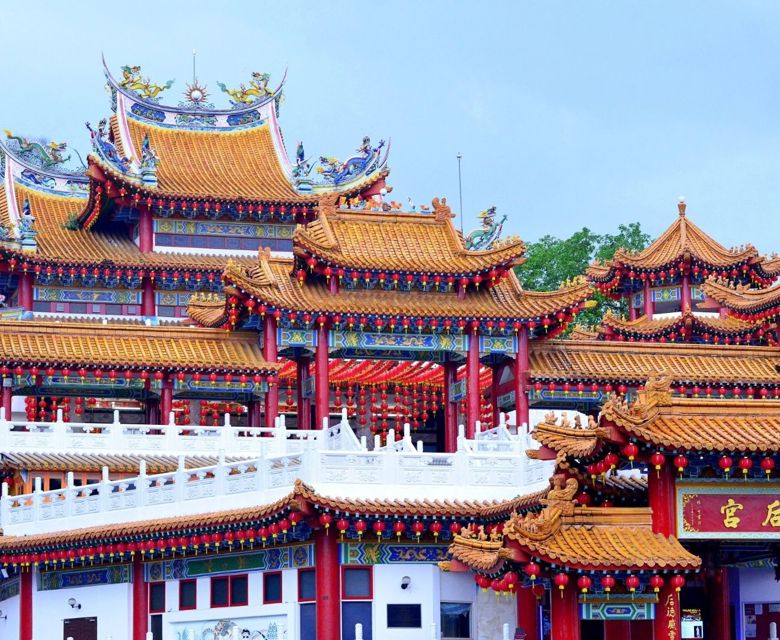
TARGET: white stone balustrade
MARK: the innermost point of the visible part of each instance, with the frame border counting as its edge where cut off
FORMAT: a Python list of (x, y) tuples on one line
[(493, 466), (18, 436)]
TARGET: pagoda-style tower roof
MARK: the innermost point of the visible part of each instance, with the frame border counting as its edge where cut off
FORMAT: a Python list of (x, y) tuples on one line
[(272, 284), (743, 302), (681, 247), (195, 157), (414, 243), (687, 327)]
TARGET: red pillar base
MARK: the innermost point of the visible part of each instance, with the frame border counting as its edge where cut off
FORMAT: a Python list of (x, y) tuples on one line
[(617, 630), (528, 613), (26, 605), (328, 579), (140, 611), (565, 614)]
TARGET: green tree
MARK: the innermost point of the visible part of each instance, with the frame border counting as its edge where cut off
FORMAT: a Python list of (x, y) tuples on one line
[(551, 261)]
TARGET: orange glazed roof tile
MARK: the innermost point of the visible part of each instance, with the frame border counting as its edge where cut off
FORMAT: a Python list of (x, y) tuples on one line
[(740, 298), (578, 441), (682, 238), (645, 327), (611, 361), (51, 343), (697, 423), (57, 243), (271, 281), (410, 242), (297, 500), (217, 164), (615, 538)]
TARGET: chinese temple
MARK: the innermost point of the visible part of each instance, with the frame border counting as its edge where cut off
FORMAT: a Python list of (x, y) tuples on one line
[(251, 396)]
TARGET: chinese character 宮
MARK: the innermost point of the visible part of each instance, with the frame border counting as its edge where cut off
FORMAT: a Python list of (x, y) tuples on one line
[(772, 515), (729, 511)]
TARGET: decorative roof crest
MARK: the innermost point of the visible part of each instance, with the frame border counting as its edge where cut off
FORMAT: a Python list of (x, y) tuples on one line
[(441, 210), (485, 238), (45, 155), (257, 90), (142, 87)]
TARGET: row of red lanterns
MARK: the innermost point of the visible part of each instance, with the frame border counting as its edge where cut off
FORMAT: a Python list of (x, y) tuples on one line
[(113, 375), (382, 528), (266, 534), (509, 582)]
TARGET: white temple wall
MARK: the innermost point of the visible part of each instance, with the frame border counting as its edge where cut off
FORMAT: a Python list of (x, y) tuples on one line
[(109, 603), (9, 627), (492, 612), (253, 616), (423, 589)]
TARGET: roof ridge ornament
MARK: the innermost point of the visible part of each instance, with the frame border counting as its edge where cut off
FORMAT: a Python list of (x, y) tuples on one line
[(46, 155), (441, 210), (681, 205), (142, 87), (485, 238)]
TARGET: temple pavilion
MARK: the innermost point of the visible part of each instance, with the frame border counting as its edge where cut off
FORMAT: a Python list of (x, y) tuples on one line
[(247, 394)]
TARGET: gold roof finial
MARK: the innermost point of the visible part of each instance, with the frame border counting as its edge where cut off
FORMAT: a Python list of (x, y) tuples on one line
[(681, 206)]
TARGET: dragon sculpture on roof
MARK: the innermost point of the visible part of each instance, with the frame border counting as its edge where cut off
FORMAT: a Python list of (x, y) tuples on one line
[(145, 88), (47, 154), (257, 89), (485, 237)]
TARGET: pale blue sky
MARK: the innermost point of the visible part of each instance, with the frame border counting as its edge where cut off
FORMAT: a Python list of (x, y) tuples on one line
[(567, 113)]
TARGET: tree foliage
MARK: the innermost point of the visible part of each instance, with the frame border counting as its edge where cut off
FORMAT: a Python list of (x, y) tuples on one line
[(551, 261)]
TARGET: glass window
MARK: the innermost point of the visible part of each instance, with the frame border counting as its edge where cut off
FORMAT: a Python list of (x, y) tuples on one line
[(55, 484), (157, 597), (307, 584), (455, 620), (356, 582), (272, 587), (188, 590), (239, 590), (220, 592), (404, 616)]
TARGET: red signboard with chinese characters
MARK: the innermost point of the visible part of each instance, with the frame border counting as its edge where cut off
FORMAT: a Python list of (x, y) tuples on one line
[(728, 509)]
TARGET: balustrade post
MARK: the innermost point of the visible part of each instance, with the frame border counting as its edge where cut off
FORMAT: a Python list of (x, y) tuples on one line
[(70, 494), (36, 499), (181, 478), (141, 485), (104, 490), (220, 475)]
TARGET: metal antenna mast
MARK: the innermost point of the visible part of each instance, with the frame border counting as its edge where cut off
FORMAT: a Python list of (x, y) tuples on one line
[(194, 76), (460, 191)]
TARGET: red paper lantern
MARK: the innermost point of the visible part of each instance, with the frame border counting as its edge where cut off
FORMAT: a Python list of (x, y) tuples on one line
[(342, 525), (584, 583), (632, 582), (435, 528), (657, 460), (746, 464), (768, 464), (483, 582), (532, 570), (680, 461), (607, 582), (630, 451), (561, 580), (379, 528), (657, 583), (418, 528), (511, 580), (678, 582), (725, 463)]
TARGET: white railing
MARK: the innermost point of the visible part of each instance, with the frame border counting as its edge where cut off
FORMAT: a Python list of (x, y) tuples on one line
[(334, 462), (18, 436)]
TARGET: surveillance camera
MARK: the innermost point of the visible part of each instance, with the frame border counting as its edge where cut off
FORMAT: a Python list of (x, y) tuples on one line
[(405, 582), (74, 604)]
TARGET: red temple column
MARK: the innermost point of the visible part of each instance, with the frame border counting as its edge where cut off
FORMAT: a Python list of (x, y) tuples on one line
[(26, 605), (666, 625), (166, 400), (495, 379), (254, 413), (270, 353), (631, 311), (328, 587), (148, 306), (304, 404), (660, 497), (565, 615), (648, 300), (528, 613), (472, 385), (8, 397), (718, 595), (685, 294), (521, 379), (450, 370), (26, 291), (140, 601), (145, 230), (321, 385), (617, 630)]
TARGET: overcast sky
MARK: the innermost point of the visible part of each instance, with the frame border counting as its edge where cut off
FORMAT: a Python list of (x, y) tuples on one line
[(566, 113)]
